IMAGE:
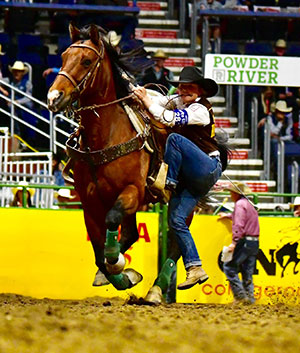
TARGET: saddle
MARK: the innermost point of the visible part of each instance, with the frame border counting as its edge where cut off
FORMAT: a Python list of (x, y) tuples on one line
[(155, 145)]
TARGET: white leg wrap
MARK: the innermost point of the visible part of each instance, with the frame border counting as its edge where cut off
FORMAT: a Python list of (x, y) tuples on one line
[(116, 268)]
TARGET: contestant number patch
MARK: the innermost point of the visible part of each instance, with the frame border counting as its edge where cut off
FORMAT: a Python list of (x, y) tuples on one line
[(181, 117)]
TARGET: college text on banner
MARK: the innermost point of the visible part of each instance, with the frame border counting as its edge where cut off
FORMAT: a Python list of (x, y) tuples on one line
[(277, 274)]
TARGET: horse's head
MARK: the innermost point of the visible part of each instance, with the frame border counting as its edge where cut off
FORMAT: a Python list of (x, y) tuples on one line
[(80, 66)]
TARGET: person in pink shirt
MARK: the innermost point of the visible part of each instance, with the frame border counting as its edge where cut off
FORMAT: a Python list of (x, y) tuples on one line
[(244, 245)]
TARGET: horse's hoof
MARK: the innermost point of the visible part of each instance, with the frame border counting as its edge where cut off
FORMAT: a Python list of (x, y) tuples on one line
[(133, 276), (100, 280), (116, 268), (154, 296)]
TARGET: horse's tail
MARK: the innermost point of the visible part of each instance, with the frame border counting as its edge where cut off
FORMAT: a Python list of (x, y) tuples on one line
[(223, 147)]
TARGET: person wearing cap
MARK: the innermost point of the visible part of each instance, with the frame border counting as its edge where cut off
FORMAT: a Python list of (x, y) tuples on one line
[(192, 155), (296, 206), (244, 244), (158, 74), (280, 47)]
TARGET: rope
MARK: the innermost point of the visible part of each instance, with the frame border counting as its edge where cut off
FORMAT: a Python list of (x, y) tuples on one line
[(241, 192)]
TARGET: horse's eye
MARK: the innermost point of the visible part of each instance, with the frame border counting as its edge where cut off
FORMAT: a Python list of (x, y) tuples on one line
[(87, 63)]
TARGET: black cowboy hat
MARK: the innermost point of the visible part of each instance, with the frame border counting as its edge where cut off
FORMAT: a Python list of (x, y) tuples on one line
[(192, 74)]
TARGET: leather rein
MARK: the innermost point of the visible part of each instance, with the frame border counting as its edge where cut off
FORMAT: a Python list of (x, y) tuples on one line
[(109, 154)]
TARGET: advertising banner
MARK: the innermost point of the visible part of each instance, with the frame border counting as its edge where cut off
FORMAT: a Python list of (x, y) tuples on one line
[(276, 277), (253, 70), (46, 253)]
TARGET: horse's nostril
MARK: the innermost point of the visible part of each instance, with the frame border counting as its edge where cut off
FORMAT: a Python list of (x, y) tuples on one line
[(54, 97)]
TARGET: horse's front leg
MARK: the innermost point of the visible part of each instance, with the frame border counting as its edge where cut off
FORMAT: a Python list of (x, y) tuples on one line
[(126, 204)]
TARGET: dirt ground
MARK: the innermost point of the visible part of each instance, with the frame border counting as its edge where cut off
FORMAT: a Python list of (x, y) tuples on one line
[(113, 325)]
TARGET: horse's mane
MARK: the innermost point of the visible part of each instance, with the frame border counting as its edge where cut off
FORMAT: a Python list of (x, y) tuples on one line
[(121, 62)]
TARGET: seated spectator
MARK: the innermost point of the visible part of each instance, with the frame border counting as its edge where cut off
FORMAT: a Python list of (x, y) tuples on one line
[(266, 101), (18, 195), (57, 168), (158, 74), (281, 130), (282, 93), (296, 206), (65, 196), (280, 47), (214, 22)]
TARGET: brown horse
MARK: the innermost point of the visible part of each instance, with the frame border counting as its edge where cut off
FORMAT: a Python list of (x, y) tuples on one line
[(110, 163)]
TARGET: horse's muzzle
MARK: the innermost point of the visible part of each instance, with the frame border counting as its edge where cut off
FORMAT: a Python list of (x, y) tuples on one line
[(55, 100)]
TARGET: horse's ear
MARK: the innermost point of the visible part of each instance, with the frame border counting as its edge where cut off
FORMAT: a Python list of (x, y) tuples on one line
[(94, 34), (74, 32)]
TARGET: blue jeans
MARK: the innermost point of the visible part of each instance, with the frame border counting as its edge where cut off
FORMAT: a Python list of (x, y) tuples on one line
[(197, 173), (244, 258)]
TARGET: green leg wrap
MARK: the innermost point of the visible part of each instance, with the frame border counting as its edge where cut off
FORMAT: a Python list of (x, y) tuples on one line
[(112, 246), (164, 278), (120, 281)]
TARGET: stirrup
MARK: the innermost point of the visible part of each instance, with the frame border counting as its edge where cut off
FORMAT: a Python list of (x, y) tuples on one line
[(158, 183)]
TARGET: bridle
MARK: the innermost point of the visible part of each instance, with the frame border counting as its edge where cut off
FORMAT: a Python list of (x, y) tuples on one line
[(91, 74)]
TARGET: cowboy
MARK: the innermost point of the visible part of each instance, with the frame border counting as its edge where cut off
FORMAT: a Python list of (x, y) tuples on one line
[(192, 155), (20, 81), (158, 74), (244, 246), (296, 206)]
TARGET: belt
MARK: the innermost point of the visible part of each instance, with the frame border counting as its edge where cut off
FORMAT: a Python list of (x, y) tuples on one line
[(250, 237)]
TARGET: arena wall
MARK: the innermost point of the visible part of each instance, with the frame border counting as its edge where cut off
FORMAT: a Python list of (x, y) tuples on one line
[(276, 276), (46, 253)]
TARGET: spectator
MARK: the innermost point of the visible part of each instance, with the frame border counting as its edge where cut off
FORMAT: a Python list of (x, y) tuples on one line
[(20, 81), (114, 40), (280, 47), (244, 246), (296, 206), (281, 123), (214, 22), (266, 101), (64, 196), (158, 74), (18, 195), (57, 168), (282, 93)]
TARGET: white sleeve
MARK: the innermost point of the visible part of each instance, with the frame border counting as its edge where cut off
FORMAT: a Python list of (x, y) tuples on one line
[(195, 114)]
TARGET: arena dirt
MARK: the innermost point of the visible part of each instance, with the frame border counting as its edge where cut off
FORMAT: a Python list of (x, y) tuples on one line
[(112, 325)]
